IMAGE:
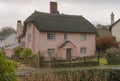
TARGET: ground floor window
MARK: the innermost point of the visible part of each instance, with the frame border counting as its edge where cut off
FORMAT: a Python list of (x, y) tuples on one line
[(83, 50), (51, 52)]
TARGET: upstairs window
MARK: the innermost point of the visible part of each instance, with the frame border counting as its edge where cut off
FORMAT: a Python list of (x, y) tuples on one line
[(65, 36), (83, 50), (51, 36), (83, 37), (29, 25), (29, 38)]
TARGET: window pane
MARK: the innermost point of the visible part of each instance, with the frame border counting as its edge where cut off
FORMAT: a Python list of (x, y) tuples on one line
[(50, 36), (29, 38), (51, 52), (84, 50), (29, 25), (65, 36), (83, 37)]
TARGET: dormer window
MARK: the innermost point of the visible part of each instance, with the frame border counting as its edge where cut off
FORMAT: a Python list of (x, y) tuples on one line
[(29, 25)]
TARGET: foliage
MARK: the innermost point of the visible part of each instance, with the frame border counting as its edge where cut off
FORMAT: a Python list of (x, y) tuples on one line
[(113, 55), (102, 44), (76, 74), (17, 52), (103, 61), (7, 69), (81, 61), (7, 30), (26, 53)]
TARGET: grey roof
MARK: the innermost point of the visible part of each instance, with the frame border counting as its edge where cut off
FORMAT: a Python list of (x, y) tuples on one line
[(60, 23), (110, 28), (15, 46), (4, 36)]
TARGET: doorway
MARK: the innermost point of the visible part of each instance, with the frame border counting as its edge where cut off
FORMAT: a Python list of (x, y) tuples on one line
[(68, 54)]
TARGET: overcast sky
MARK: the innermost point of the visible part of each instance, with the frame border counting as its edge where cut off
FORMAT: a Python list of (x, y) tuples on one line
[(96, 11)]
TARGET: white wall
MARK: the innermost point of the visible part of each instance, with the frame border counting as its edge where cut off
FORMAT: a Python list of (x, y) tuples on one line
[(10, 40), (116, 31)]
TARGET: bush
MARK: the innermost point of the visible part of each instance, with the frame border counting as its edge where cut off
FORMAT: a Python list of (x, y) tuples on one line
[(17, 52), (76, 74), (113, 56), (25, 55), (7, 69), (102, 44), (74, 64)]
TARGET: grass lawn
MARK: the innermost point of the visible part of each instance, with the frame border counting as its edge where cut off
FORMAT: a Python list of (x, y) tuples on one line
[(103, 61)]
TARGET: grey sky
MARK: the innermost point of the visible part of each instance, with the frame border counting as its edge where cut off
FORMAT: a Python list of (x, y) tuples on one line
[(96, 11)]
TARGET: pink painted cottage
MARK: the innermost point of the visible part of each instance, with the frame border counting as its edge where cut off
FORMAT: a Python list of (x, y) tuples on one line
[(59, 35)]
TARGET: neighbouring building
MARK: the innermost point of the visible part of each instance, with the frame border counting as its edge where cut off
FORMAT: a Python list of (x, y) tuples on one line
[(7, 40), (103, 30), (115, 28), (9, 50), (58, 35)]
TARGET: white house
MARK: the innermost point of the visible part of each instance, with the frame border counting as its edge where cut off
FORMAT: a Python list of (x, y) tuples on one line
[(8, 40), (115, 28)]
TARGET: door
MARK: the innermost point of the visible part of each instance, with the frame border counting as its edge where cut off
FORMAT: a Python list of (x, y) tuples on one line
[(68, 54)]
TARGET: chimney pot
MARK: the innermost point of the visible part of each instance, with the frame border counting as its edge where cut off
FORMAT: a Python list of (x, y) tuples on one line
[(112, 18), (53, 7), (19, 21)]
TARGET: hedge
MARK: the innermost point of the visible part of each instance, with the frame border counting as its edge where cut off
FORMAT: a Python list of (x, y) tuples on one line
[(75, 75)]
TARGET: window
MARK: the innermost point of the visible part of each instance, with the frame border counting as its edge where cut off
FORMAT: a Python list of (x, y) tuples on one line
[(65, 36), (29, 38), (51, 52), (51, 36), (83, 50), (83, 37), (29, 25)]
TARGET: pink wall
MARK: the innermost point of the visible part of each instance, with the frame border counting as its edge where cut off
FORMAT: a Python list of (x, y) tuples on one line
[(8, 52), (40, 43)]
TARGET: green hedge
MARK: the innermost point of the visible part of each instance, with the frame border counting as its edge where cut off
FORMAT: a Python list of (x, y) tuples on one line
[(113, 56), (76, 74), (74, 64), (88, 75)]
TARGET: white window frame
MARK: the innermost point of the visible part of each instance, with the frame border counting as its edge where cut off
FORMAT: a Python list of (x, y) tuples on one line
[(83, 50), (83, 37), (29, 38), (51, 52), (51, 36)]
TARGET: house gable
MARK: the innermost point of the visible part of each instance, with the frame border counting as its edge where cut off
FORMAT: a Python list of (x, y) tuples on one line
[(68, 44), (116, 31)]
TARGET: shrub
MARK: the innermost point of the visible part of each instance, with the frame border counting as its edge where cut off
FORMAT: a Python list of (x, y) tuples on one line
[(113, 56), (102, 44), (76, 74), (7, 69), (17, 52), (25, 55)]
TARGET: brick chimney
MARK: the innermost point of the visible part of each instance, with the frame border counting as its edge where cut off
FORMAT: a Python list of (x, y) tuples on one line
[(53, 7), (112, 18), (19, 28)]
